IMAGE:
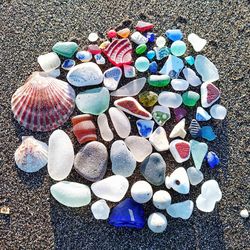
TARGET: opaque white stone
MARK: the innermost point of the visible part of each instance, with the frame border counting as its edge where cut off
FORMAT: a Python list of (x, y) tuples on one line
[(179, 130), (159, 139), (197, 42), (100, 210), (49, 62), (138, 38), (161, 199), (218, 111), (105, 131), (157, 222), (141, 191), (244, 213)]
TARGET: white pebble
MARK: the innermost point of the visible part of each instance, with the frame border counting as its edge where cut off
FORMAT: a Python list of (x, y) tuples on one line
[(141, 191), (100, 210), (157, 222), (93, 37), (161, 199), (244, 213)]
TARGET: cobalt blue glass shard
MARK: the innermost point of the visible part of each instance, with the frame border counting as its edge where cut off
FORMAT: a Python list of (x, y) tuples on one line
[(212, 159)]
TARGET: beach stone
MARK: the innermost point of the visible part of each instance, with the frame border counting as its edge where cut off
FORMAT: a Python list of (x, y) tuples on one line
[(191, 77), (189, 60), (99, 59), (170, 99), (94, 49), (202, 115), (112, 78), (112, 188), (181, 210), (158, 80), (157, 222), (71, 194), (159, 139), (180, 150), (145, 127), (105, 131), (208, 133), (153, 67), (206, 69), (100, 210), (123, 33), (194, 129), (93, 101), (123, 161), (195, 176), (178, 48), (198, 152), (49, 61), (212, 159), (148, 98), (161, 199), (179, 113), (179, 84), (179, 130), (209, 94), (93, 37), (65, 49), (85, 74), (91, 161), (244, 213), (160, 41), (129, 71), (139, 147), (172, 67), (141, 191), (174, 34), (138, 38), (84, 56), (161, 114), (153, 168), (120, 122), (142, 64), (218, 111), (197, 42), (190, 98), (178, 181), (140, 49), (143, 26)]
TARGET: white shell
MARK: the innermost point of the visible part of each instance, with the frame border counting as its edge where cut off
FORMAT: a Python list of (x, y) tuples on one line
[(31, 155), (49, 62)]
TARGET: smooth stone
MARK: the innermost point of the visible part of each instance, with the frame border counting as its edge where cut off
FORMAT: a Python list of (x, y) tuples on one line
[(161, 53), (139, 147), (123, 161), (143, 26), (178, 48), (194, 129), (190, 98), (128, 213), (197, 43), (153, 168), (206, 69), (91, 161), (85, 74), (131, 106), (208, 133), (49, 62), (179, 130), (145, 127), (60, 155), (181, 210), (99, 59), (111, 34), (54, 73), (202, 115), (210, 194), (120, 122), (189, 60), (148, 98), (68, 64), (159, 139), (141, 191), (112, 188), (123, 33), (142, 64), (84, 56), (71, 194), (198, 152), (191, 77), (195, 176), (172, 67), (112, 78), (178, 181), (138, 38), (179, 113), (218, 111), (100, 210), (105, 131), (129, 71), (150, 36), (153, 67), (174, 34), (209, 94), (179, 84), (244, 213), (94, 49), (140, 49), (212, 159), (170, 99), (158, 80), (160, 41), (130, 89), (93, 101), (150, 54), (93, 37), (157, 222), (66, 49), (161, 114), (180, 150), (162, 199)]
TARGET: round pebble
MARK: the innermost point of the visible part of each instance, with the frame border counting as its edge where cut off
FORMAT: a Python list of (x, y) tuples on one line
[(160, 41), (93, 37), (178, 48), (141, 191), (161, 199), (244, 213), (157, 222), (100, 210), (218, 111), (142, 64), (111, 34), (150, 54)]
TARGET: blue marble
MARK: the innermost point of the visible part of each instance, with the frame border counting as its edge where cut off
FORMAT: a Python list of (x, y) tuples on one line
[(145, 127), (189, 60), (68, 64), (212, 159), (128, 213), (153, 67), (151, 37), (174, 35), (150, 54), (208, 133)]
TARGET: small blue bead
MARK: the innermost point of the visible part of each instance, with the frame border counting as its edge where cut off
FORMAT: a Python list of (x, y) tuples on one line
[(212, 159), (153, 67), (151, 37), (174, 35), (150, 54)]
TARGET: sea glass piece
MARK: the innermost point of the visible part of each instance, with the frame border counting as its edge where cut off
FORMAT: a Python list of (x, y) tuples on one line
[(178, 48), (49, 61), (198, 152), (129, 71), (153, 67), (68, 64), (100, 210), (202, 115), (218, 111), (159, 139), (123, 33), (94, 49), (105, 131), (194, 129), (65, 49), (141, 191), (112, 78), (190, 98), (159, 80), (143, 26), (179, 113), (197, 42), (179, 84), (84, 56), (179, 130), (142, 64), (208, 133), (138, 38), (140, 49), (148, 98), (181, 210), (160, 41), (212, 159), (174, 34), (170, 99), (189, 60), (99, 59), (161, 52), (180, 150), (191, 77), (145, 127), (172, 67), (93, 37), (157, 222), (150, 54), (209, 94), (161, 114), (195, 176), (161, 199)]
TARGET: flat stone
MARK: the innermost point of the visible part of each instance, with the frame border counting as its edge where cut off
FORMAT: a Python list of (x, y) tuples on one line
[(123, 161), (112, 78), (191, 77), (195, 176), (209, 94), (141, 191), (161, 114), (159, 80), (138, 38), (180, 150), (198, 152), (159, 139), (179, 130), (91, 161), (170, 99), (85, 74), (218, 111), (66, 49), (197, 42), (93, 101), (161, 199), (139, 147), (172, 67), (153, 168), (181, 210), (157, 222), (129, 71), (105, 131), (100, 210), (179, 84), (145, 127)]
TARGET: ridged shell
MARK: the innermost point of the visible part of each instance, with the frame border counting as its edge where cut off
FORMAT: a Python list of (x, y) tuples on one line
[(43, 103), (31, 155)]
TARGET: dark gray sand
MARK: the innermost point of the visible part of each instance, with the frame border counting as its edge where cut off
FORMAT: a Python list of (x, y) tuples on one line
[(37, 221)]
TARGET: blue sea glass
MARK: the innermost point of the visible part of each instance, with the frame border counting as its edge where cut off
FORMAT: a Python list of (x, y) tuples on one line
[(208, 133), (174, 35), (145, 127), (189, 60), (212, 159), (150, 54), (151, 37), (153, 67)]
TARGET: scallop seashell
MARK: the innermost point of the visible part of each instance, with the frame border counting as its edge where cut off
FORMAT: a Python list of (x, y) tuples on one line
[(31, 155), (43, 103)]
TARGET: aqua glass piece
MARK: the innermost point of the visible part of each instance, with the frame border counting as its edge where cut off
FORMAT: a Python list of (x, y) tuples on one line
[(66, 49), (208, 133), (174, 34), (178, 48), (189, 60), (150, 54), (142, 64), (172, 67), (198, 152)]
